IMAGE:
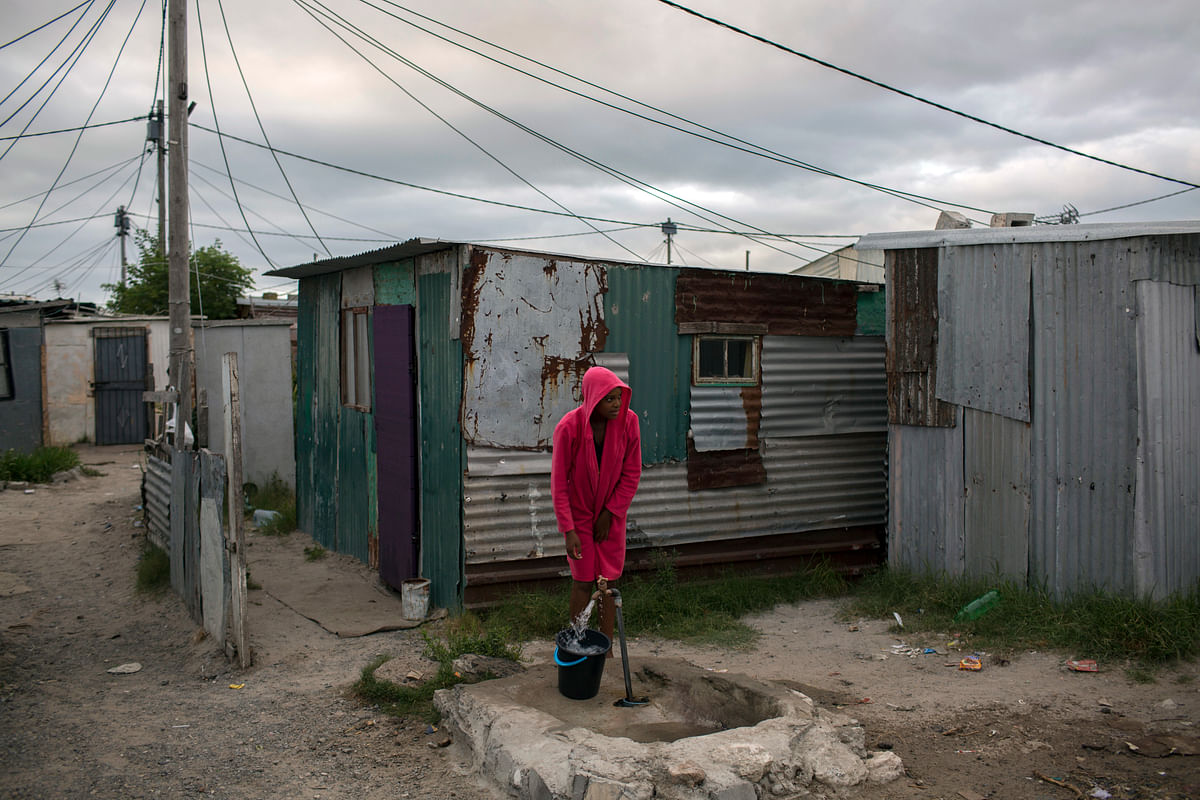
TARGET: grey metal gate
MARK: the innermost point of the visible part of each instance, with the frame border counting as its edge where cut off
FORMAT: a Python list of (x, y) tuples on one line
[(120, 379)]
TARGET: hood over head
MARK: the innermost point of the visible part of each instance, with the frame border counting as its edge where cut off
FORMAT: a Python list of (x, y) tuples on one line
[(597, 383)]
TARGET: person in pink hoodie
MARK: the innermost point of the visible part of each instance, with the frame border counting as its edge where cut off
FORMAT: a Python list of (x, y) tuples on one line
[(595, 467)]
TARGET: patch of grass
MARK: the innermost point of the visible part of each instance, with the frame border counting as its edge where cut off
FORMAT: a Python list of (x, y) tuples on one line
[(1139, 673), (153, 570), (38, 466), (704, 611), (315, 553), (276, 496), (459, 635), (1086, 624), (92, 472)]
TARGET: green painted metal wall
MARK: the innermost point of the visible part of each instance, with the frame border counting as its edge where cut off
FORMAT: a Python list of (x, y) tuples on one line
[(395, 284), (306, 361), (872, 313), (639, 311), (440, 376), (327, 403), (354, 499)]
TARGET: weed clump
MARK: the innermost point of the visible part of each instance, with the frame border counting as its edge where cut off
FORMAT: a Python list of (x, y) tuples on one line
[(459, 636), (38, 466), (153, 570), (276, 496)]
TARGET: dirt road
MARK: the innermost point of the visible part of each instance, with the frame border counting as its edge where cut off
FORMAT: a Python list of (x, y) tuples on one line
[(178, 727)]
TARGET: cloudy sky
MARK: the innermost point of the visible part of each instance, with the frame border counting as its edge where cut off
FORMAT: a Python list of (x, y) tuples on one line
[(419, 96)]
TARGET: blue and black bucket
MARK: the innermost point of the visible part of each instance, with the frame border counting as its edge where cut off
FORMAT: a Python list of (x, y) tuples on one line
[(580, 660)]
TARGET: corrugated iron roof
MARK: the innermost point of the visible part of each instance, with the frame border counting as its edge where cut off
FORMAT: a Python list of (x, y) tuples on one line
[(907, 240)]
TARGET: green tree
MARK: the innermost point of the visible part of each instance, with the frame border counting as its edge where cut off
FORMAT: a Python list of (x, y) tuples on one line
[(216, 279)]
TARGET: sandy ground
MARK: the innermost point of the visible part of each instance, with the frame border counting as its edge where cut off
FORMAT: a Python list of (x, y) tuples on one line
[(179, 728)]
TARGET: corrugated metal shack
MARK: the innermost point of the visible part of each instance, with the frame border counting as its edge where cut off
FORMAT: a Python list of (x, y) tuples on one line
[(1044, 404), (431, 375)]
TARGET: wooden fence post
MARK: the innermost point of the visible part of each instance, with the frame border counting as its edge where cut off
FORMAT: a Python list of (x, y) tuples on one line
[(236, 542)]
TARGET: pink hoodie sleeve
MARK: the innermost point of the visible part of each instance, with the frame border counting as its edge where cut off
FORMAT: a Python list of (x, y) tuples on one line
[(631, 469), (560, 466)]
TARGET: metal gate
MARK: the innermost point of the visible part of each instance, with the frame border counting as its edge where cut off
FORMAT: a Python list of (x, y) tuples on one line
[(120, 379)]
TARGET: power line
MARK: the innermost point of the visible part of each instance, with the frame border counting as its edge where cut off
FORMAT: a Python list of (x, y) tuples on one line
[(72, 57), (390, 236), (1120, 207), (47, 24), (95, 105), (212, 102), (655, 192), (45, 58), (734, 142), (358, 32), (110, 168), (926, 101), (263, 129), (93, 126)]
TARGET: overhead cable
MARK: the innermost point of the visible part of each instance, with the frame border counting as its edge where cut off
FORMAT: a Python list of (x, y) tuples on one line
[(216, 121), (659, 194), (75, 147), (46, 58), (92, 126), (66, 13), (263, 130), (926, 101), (342, 22), (727, 140)]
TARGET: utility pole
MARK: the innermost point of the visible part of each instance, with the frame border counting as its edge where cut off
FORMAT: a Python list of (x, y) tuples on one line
[(155, 133), (670, 229), (121, 223), (178, 247)]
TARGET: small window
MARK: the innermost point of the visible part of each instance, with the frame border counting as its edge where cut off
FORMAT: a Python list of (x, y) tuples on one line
[(726, 360), (6, 387), (356, 358)]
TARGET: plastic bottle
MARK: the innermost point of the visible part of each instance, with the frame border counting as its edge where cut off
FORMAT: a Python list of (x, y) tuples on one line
[(978, 607)]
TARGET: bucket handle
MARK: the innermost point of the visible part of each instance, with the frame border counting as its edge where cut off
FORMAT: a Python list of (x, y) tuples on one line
[(562, 663)]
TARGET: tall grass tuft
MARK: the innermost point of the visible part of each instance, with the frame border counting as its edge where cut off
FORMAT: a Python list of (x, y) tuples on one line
[(38, 466), (662, 604), (153, 570), (1090, 624), (276, 496)]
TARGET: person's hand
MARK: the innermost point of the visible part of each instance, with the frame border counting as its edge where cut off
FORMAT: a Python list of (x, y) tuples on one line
[(603, 524), (574, 547)]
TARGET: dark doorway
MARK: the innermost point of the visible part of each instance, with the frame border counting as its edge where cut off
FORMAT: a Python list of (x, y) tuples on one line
[(120, 379), (395, 443)]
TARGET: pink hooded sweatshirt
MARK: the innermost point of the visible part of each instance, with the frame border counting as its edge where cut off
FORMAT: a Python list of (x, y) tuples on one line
[(581, 488)]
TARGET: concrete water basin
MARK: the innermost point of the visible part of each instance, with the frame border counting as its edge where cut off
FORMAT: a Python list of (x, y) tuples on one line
[(702, 735)]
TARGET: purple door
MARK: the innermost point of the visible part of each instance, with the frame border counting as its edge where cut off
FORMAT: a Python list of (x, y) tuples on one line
[(395, 444)]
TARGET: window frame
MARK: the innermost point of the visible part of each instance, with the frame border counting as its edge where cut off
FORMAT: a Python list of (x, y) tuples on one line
[(754, 350), (355, 354)]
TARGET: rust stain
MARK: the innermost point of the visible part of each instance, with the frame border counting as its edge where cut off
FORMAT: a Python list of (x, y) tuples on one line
[(472, 287), (912, 279), (721, 469), (796, 305), (593, 332), (550, 268)]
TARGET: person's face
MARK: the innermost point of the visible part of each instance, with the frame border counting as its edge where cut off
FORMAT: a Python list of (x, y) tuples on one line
[(610, 406)]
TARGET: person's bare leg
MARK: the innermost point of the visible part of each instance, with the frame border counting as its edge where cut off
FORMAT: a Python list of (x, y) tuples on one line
[(608, 617), (581, 594)]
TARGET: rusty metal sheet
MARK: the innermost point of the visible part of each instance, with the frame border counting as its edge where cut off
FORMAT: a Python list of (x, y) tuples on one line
[(529, 326), (912, 322), (720, 469), (786, 304)]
